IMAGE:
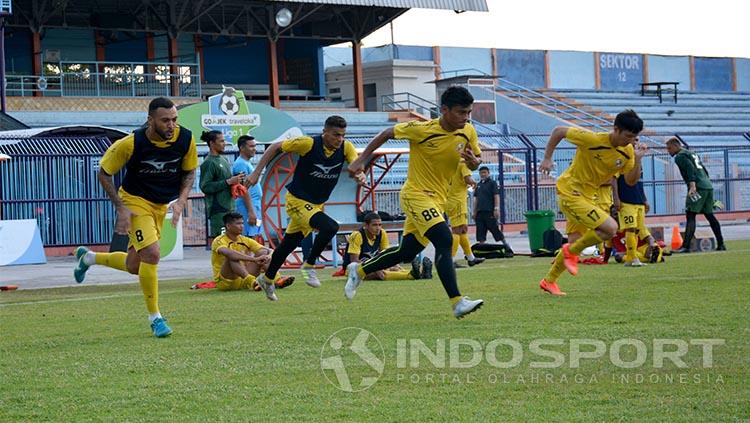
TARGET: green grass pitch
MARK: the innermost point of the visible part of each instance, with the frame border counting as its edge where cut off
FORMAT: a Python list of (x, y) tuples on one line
[(86, 353)]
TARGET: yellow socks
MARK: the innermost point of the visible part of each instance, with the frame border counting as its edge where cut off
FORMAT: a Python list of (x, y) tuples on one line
[(558, 266), (398, 275), (454, 246), (455, 300), (112, 260), (149, 280), (466, 245), (631, 244), (588, 239)]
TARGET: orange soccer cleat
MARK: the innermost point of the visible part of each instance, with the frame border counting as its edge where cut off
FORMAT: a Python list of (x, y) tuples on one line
[(570, 260), (551, 287)]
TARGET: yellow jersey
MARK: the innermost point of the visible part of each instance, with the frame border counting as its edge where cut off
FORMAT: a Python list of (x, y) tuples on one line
[(434, 154), (243, 244), (596, 161), (118, 154), (457, 190), (303, 145), (355, 242)]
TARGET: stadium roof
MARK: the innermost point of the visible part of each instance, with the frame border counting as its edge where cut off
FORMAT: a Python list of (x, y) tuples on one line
[(458, 5), (333, 21)]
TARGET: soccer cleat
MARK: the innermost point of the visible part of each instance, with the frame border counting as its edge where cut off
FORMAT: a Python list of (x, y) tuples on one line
[(466, 306), (268, 288), (160, 327), (721, 247), (426, 268), (593, 260), (681, 250), (311, 276), (256, 287), (458, 265), (551, 287), (283, 281), (353, 281), (340, 272), (634, 263), (79, 273), (477, 260), (570, 260), (415, 272)]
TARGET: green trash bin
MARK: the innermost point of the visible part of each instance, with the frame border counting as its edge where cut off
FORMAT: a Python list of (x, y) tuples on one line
[(538, 221)]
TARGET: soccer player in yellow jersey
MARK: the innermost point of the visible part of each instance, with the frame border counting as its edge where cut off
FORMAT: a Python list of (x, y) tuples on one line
[(435, 149), (237, 259), (457, 210), (606, 198), (160, 163), (599, 156), (321, 160)]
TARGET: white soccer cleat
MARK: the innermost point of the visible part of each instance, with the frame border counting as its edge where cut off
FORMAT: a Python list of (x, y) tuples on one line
[(635, 263), (268, 288), (310, 276), (465, 306), (353, 281)]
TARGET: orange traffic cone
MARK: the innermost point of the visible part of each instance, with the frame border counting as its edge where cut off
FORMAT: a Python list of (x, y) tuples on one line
[(676, 238)]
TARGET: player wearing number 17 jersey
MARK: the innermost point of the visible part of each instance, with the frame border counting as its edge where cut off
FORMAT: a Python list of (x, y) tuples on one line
[(599, 156), (436, 148)]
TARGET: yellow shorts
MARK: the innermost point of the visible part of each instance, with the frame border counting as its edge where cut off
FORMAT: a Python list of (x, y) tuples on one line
[(224, 284), (581, 214), (300, 212), (422, 213), (146, 221), (457, 211), (633, 216)]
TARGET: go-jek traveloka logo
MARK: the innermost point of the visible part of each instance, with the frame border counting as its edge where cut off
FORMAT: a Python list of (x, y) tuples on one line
[(352, 359), (228, 112)]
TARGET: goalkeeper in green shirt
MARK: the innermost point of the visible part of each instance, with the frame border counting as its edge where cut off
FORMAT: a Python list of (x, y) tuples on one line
[(700, 196)]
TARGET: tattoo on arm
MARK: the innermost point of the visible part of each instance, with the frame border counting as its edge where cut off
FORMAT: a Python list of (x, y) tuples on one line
[(108, 184), (187, 183)]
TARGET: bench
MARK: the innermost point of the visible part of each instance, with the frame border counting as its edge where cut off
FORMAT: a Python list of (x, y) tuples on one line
[(646, 89)]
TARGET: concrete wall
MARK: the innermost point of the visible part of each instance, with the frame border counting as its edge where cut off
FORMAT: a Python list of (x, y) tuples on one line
[(18, 51), (571, 69), (74, 44), (743, 74), (670, 68), (524, 67), (620, 72), (389, 77), (713, 74), (235, 63), (456, 58)]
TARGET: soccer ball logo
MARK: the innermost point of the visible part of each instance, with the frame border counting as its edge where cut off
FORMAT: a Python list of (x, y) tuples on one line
[(228, 102), (352, 359)]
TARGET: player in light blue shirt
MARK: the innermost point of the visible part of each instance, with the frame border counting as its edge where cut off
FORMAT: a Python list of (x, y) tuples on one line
[(252, 215)]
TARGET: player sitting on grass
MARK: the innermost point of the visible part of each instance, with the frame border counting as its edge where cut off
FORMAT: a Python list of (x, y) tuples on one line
[(370, 240), (237, 259)]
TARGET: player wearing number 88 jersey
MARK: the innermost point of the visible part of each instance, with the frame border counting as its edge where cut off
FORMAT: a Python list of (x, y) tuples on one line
[(436, 148)]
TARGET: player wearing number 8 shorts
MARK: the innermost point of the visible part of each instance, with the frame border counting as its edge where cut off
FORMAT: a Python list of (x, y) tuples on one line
[(599, 156), (435, 149), (160, 163)]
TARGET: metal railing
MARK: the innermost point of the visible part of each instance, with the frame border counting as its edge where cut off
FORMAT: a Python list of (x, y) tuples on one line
[(109, 79)]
